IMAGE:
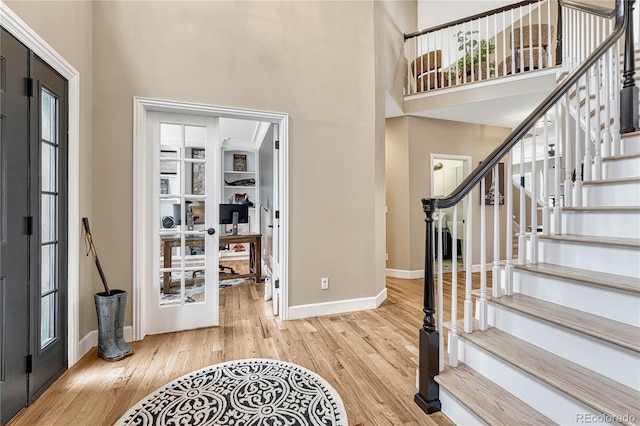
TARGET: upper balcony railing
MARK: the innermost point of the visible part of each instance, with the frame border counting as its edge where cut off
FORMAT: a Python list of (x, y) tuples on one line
[(505, 41)]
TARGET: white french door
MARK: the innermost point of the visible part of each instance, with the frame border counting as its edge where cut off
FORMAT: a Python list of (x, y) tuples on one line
[(182, 223)]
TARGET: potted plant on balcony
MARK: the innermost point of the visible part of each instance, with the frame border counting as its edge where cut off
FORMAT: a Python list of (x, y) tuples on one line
[(477, 54)]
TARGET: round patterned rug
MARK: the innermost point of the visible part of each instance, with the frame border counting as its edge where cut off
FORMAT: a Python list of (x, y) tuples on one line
[(243, 392)]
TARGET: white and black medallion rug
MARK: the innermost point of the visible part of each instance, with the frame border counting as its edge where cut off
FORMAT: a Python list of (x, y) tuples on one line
[(249, 392)]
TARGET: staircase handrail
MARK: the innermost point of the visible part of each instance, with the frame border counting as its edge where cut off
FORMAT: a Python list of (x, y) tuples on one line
[(468, 18), (525, 126)]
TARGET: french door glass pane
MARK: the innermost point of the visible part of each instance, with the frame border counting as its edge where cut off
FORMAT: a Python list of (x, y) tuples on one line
[(48, 265), (48, 167), (49, 211), (49, 217), (48, 318), (181, 207), (49, 116)]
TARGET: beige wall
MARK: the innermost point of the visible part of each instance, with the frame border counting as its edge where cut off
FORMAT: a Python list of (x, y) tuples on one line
[(425, 136), (312, 60), (66, 26), (398, 200)]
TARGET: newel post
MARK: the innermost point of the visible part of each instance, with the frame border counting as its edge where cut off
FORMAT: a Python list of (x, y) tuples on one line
[(428, 396), (629, 91)]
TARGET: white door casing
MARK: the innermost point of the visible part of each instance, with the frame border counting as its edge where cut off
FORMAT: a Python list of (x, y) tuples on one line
[(143, 181)]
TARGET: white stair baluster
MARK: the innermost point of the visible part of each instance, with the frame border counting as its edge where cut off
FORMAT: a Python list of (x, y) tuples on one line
[(453, 332), (546, 212), (495, 272), (557, 204), (482, 302), (508, 270), (566, 152), (534, 200), (468, 261)]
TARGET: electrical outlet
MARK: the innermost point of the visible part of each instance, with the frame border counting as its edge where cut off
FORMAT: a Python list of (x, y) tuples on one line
[(324, 283), (386, 256)]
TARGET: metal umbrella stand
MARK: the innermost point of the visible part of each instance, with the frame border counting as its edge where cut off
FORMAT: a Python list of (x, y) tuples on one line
[(110, 307)]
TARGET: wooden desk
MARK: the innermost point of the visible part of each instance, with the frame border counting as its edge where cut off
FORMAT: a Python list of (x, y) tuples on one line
[(255, 250), (255, 261)]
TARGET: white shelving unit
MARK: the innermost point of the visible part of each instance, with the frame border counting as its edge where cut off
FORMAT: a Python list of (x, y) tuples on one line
[(240, 165)]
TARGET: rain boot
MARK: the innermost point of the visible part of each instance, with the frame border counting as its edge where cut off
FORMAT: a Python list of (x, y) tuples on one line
[(122, 304), (106, 308)]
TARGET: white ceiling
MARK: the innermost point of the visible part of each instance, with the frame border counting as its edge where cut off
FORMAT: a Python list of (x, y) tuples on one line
[(240, 132)]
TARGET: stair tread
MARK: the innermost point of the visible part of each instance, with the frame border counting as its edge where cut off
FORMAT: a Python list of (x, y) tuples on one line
[(589, 239), (487, 400), (616, 332), (620, 282), (615, 180), (621, 156), (599, 392), (603, 209), (629, 135)]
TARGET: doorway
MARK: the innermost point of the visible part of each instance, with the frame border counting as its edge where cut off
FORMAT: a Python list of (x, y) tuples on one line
[(447, 172), (147, 191), (33, 225)]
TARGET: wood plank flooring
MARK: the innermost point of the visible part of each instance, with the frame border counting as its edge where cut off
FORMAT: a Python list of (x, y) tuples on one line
[(370, 357)]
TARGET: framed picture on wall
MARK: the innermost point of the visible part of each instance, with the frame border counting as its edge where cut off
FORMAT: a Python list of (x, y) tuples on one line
[(490, 194), (239, 163)]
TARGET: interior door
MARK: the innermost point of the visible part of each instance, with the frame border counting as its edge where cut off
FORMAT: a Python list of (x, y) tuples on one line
[(184, 292)]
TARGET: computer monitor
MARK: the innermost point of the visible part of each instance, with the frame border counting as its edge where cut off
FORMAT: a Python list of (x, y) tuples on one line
[(233, 214)]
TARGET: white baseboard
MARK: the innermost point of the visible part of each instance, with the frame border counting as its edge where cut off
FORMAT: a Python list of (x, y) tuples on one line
[(90, 340), (404, 274), (337, 307)]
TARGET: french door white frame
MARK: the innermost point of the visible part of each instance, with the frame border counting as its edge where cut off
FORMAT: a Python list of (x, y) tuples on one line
[(27, 36), (142, 253)]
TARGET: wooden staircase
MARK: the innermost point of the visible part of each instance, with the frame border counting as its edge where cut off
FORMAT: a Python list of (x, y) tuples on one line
[(565, 348)]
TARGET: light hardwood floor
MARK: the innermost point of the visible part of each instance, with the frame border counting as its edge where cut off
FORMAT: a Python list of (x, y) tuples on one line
[(370, 357)]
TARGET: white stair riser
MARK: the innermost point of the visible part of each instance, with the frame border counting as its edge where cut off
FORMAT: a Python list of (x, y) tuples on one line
[(612, 224), (612, 361), (630, 145), (621, 168), (618, 305), (612, 194), (591, 257), (457, 412), (547, 400)]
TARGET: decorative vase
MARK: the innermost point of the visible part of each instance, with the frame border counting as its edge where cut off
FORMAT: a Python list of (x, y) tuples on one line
[(111, 309)]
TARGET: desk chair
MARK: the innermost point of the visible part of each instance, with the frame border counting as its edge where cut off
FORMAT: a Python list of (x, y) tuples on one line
[(196, 250)]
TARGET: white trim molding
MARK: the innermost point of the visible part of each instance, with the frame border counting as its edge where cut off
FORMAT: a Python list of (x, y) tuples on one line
[(20, 30), (337, 307), (404, 274), (141, 274)]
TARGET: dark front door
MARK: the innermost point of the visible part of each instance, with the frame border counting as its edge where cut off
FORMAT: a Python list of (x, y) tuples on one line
[(33, 227), (14, 238)]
